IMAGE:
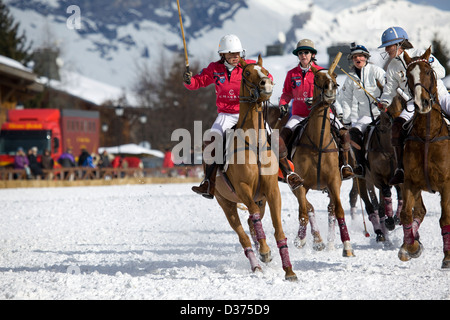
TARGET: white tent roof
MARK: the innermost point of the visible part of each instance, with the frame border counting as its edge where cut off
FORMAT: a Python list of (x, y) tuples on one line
[(131, 148)]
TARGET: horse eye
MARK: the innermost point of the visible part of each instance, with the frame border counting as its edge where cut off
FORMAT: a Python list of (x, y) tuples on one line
[(247, 73)]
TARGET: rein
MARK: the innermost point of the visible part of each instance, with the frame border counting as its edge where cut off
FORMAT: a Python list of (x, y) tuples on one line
[(252, 101), (433, 97)]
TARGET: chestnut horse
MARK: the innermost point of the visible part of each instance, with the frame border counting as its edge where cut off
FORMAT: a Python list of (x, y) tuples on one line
[(252, 171), (316, 160), (426, 158)]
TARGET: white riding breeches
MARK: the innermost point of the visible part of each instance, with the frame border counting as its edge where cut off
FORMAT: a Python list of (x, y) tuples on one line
[(295, 120)]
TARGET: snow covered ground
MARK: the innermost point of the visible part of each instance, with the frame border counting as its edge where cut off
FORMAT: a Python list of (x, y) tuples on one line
[(165, 242)]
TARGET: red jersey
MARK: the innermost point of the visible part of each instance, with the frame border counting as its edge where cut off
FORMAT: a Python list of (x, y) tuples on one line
[(227, 88), (298, 87)]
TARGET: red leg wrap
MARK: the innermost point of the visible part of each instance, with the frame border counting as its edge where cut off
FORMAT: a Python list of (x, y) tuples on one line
[(284, 253), (256, 219), (343, 230), (446, 237)]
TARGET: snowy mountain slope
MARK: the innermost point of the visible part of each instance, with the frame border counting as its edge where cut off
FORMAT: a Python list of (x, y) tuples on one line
[(117, 38)]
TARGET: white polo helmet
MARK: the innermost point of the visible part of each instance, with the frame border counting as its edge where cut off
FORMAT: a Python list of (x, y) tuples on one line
[(230, 43)]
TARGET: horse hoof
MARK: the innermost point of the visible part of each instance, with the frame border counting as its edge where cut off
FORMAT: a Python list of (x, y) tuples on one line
[(417, 252), (380, 236), (291, 278), (403, 254), (299, 243), (266, 257), (390, 223), (348, 253), (257, 269), (445, 264), (318, 246)]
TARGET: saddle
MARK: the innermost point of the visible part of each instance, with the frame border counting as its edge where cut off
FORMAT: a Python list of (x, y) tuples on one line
[(222, 172)]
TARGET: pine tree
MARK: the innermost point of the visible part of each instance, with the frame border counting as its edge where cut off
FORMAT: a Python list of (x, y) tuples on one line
[(12, 45), (441, 53)]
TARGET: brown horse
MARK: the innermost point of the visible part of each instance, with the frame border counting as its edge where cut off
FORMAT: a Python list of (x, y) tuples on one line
[(380, 166), (426, 161), (251, 176), (316, 160)]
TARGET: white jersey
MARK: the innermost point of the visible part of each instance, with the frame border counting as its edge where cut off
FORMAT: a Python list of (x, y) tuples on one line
[(356, 103)]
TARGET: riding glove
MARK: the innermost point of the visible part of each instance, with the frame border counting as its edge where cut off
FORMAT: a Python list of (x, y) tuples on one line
[(284, 110), (187, 77)]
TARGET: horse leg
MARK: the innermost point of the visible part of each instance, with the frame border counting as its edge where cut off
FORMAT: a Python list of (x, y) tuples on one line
[(251, 226), (353, 197), (303, 217), (274, 200), (370, 200), (399, 204), (336, 206), (230, 209), (411, 247), (244, 193), (444, 222), (389, 222), (318, 244), (331, 227)]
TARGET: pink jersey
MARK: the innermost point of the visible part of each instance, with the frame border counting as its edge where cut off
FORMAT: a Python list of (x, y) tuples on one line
[(298, 87), (227, 89)]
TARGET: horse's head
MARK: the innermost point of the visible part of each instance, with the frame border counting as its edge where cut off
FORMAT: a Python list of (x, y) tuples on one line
[(421, 81), (325, 86), (255, 80)]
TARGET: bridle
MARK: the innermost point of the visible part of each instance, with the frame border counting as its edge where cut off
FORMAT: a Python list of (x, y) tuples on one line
[(254, 89), (433, 97), (322, 95)]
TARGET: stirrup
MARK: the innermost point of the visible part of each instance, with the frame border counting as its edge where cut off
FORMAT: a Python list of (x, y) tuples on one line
[(206, 193), (351, 170), (394, 179), (292, 173)]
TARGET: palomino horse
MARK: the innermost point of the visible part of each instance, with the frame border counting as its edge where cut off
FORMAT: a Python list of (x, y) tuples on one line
[(253, 174), (426, 161), (316, 160)]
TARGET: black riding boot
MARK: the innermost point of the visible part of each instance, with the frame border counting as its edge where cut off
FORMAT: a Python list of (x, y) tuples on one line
[(292, 179), (207, 186), (358, 138), (399, 174), (398, 139), (346, 169)]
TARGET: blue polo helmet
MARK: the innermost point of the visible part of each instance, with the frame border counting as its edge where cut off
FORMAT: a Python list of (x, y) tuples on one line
[(393, 35)]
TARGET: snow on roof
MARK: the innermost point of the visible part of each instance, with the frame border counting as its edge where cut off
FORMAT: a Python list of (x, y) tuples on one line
[(131, 148), (88, 89), (13, 63)]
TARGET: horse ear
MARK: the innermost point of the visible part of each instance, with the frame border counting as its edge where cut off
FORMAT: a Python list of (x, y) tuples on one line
[(406, 57), (242, 62), (427, 54), (259, 60)]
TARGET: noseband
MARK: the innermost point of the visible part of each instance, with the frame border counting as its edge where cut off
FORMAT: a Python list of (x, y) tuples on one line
[(323, 95), (433, 97), (255, 91)]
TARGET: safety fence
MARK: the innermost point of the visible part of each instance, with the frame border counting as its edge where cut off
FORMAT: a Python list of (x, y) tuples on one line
[(82, 173)]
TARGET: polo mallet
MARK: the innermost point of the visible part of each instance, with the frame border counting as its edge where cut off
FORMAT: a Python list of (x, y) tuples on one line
[(335, 63), (362, 211), (357, 82), (182, 34), (330, 71)]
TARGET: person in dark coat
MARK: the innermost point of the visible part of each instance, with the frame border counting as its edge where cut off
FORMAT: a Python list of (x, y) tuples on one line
[(35, 166)]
